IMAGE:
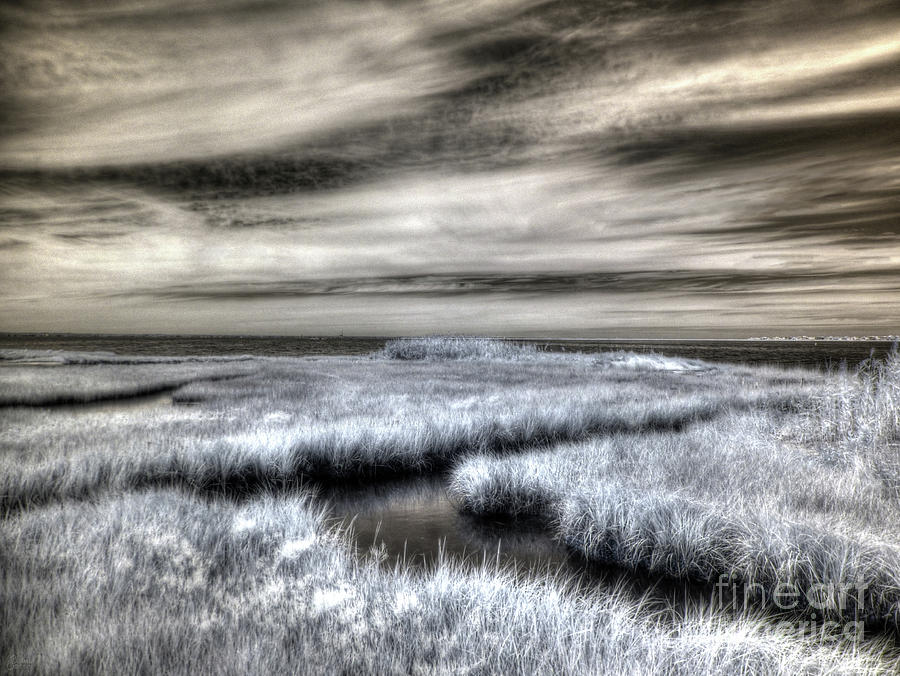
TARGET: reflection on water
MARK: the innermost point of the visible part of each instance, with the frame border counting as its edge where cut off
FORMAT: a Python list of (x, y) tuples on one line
[(413, 522), (128, 404), (12, 363)]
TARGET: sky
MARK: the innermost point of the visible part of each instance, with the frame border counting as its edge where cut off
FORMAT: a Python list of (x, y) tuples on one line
[(569, 168)]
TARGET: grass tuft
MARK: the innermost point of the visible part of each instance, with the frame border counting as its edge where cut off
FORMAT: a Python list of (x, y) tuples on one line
[(856, 421), (437, 348)]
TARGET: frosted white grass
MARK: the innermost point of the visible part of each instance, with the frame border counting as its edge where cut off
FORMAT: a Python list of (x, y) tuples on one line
[(633, 460)]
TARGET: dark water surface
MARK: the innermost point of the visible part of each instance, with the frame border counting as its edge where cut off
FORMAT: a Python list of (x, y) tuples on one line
[(412, 522), (806, 353), (140, 403), (820, 354), (415, 522), (166, 345)]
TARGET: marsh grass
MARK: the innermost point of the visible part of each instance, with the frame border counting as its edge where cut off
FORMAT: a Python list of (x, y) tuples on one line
[(288, 455), (455, 348), (159, 581), (185, 539), (734, 499), (281, 423), (863, 407), (440, 348), (857, 420)]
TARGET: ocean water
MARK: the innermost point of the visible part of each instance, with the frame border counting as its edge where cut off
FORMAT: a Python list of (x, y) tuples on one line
[(821, 354)]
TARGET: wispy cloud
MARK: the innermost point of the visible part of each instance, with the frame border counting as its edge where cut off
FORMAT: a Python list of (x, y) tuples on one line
[(674, 281), (451, 157)]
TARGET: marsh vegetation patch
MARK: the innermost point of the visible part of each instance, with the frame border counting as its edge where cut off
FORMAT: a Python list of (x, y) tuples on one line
[(606, 496)]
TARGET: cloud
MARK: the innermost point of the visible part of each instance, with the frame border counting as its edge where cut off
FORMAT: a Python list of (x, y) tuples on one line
[(161, 154), (640, 282), (136, 84)]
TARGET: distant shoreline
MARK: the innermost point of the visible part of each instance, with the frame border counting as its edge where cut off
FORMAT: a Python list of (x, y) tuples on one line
[(806, 353)]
